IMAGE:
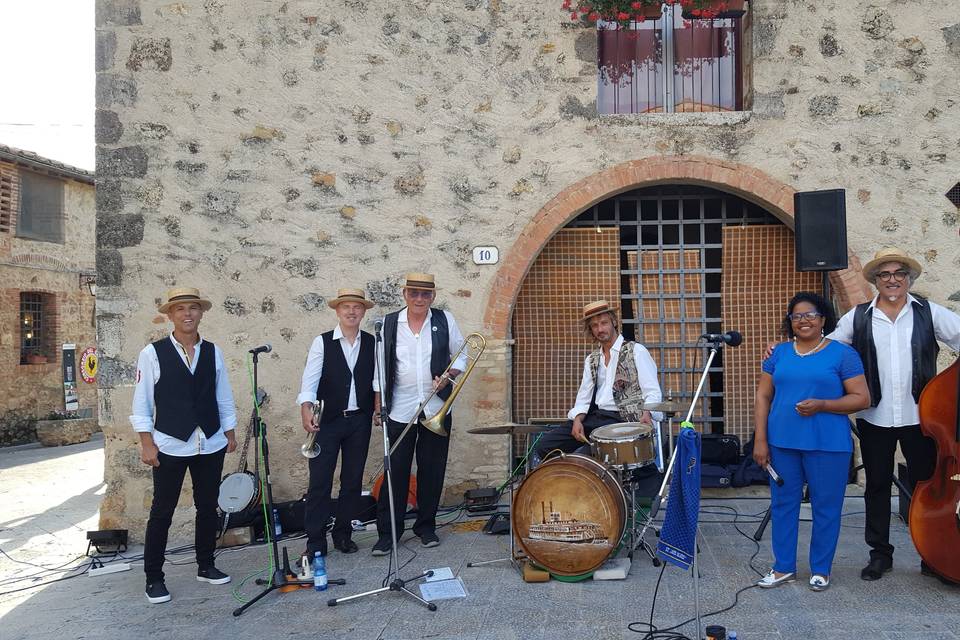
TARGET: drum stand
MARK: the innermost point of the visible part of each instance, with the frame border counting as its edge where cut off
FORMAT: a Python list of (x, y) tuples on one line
[(393, 581), (279, 580)]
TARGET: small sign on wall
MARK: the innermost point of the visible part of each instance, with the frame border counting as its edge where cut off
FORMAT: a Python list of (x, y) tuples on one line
[(89, 364), (486, 255), (71, 400)]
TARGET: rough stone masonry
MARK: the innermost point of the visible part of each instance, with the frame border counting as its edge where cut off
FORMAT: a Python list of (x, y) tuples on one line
[(270, 151)]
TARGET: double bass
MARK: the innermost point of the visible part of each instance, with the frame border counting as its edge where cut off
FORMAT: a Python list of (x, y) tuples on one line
[(935, 503)]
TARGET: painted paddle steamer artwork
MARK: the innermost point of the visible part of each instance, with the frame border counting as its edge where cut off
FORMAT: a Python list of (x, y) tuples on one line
[(556, 528)]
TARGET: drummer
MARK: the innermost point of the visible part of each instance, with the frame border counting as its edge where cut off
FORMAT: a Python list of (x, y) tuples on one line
[(618, 378)]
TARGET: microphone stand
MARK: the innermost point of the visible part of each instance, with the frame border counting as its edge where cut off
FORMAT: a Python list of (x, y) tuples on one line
[(393, 581)]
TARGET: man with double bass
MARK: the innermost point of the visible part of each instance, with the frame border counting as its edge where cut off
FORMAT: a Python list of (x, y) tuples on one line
[(896, 336)]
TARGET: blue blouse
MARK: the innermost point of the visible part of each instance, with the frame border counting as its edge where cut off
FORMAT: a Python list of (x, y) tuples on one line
[(819, 375)]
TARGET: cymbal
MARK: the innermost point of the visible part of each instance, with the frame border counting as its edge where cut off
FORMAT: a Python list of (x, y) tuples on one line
[(667, 406), (510, 428)]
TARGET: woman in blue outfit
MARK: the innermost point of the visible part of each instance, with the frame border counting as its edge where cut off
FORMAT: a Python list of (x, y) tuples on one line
[(807, 388)]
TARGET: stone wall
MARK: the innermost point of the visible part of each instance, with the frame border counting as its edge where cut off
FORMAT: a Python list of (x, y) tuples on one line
[(34, 390), (269, 152)]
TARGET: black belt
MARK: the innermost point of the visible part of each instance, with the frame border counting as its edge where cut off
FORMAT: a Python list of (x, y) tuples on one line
[(352, 412)]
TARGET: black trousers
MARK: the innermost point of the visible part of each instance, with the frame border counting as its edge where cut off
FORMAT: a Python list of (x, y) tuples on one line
[(559, 437), (348, 439), (431, 452), (205, 473), (878, 446)]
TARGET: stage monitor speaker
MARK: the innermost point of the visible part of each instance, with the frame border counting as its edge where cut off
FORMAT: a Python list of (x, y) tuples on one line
[(820, 230)]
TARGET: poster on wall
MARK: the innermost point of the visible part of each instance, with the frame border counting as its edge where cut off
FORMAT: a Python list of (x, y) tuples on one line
[(89, 364), (70, 399)]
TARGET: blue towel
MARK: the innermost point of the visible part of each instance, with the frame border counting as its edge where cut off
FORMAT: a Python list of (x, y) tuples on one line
[(678, 537)]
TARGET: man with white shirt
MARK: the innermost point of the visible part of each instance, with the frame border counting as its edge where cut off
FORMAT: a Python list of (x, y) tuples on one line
[(896, 336), (338, 374), (183, 412), (618, 379), (418, 342)]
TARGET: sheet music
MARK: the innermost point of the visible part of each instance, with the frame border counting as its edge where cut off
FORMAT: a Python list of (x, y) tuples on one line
[(443, 590)]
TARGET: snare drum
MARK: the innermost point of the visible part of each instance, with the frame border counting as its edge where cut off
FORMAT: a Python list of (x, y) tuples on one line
[(569, 514), (238, 491), (624, 445)]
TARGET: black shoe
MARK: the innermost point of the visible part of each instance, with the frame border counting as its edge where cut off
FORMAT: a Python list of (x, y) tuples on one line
[(876, 568), (382, 548), (430, 540), (157, 592), (212, 575), (345, 546)]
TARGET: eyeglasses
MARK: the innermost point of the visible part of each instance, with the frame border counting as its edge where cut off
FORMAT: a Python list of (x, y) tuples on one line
[(419, 293), (898, 275), (809, 315)]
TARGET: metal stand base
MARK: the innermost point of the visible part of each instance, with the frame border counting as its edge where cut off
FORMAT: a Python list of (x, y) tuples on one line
[(398, 585)]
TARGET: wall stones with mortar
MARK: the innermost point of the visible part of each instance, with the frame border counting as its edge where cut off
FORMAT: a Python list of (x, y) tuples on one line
[(279, 149)]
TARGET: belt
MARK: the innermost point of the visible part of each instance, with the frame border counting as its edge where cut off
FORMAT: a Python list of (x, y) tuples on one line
[(352, 412)]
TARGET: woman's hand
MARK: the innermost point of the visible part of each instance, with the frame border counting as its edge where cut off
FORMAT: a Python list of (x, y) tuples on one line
[(761, 454), (810, 406)]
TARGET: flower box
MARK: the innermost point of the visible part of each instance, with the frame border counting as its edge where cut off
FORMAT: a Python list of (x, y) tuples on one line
[(712, 9), (36, 358), (57, 433)]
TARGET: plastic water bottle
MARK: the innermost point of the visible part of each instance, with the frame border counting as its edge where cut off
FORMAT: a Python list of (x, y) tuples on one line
[(277, 529), (732, 635), (319, 572)]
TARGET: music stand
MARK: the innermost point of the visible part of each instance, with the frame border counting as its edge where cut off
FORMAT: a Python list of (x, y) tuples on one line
[(393, 581)]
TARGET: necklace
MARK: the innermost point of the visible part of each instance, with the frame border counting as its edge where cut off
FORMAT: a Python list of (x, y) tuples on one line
[(806, 353)]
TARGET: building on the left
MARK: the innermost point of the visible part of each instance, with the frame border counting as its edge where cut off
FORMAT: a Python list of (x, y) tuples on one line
[(48, 358)]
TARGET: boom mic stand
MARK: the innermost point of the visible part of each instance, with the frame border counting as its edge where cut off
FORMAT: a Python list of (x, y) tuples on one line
[(393, 581), (279, 579)]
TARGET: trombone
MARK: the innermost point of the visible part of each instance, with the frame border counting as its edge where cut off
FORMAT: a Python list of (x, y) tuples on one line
[(473, 345), (310, 448)]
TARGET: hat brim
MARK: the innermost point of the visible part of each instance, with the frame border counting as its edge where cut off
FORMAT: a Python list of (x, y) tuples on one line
[(413, 286), (870, 269), (598, 312), (336, 301), (205, 304)]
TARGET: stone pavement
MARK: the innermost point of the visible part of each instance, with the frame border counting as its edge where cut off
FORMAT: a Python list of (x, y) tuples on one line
[(50, 497)]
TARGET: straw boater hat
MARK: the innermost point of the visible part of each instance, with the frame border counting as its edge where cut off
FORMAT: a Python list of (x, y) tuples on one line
[(596, 308), (891, 254), (183, 294), (421, 281), (350, 295)]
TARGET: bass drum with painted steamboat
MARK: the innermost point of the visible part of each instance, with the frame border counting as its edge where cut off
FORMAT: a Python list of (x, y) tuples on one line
[(569, 515)]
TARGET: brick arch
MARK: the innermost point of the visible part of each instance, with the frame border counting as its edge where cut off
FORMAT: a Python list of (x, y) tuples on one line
[(742, 180)]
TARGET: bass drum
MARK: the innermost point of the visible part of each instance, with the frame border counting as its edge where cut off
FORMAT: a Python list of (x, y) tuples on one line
[(569, 515)]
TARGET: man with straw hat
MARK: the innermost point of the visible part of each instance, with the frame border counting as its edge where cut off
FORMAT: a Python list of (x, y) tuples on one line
[(618, 378), (896, 336), (418, 342), (339, 375), (183, 412)]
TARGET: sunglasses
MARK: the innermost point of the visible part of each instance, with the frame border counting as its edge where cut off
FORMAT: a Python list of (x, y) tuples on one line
[(419, 293), (809, 315), (898, 275)]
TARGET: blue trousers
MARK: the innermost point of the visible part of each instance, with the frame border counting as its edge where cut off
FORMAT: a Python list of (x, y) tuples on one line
[(825, 472)]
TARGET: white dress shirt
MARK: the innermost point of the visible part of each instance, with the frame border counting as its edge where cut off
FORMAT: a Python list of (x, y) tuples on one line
[(145, 409), (413, 381), (606, 373), (314, 368), (897, 408)]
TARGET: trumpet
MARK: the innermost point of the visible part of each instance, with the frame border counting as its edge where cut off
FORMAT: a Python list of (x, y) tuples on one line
[(310, 448), (473, 345)]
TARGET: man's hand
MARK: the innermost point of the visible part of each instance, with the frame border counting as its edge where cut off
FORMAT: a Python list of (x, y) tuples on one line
[(646, 418), (231, 441), (149, 453), (577, 431), (376, 415), (809, 406), (307, 419), (761, 453)]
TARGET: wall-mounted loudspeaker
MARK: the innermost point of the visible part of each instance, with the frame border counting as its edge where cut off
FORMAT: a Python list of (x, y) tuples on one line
[(820, 230)]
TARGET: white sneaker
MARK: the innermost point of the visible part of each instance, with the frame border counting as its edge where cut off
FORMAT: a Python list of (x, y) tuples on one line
[(819, 583), (771, 580)]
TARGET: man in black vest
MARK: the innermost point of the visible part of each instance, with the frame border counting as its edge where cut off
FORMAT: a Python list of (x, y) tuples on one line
[(338, 375), (184, 414), (896, 336), (418, 342)]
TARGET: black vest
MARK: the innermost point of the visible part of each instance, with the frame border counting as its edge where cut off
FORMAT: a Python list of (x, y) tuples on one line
[(334, 386), (923, 347), (184, 401), (439, 356)]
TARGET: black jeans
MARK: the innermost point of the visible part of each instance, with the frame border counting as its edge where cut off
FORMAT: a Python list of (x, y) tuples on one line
[(348, 439), (431, 451), (878, 446), (559, 437), (205, 473)]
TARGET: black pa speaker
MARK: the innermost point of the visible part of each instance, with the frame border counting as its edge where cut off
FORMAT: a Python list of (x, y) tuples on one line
[(820, 230)]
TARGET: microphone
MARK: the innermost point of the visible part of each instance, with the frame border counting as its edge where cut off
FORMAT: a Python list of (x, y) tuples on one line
[(266, 348), (378, 326), (774, 475), (731, 338)]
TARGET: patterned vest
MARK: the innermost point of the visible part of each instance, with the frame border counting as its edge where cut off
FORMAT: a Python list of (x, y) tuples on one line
[(626, 384)]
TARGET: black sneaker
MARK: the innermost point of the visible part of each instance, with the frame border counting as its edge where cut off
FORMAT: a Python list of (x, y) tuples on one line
[(382, 548), (212, 575), (430, 540), (157, 592)]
